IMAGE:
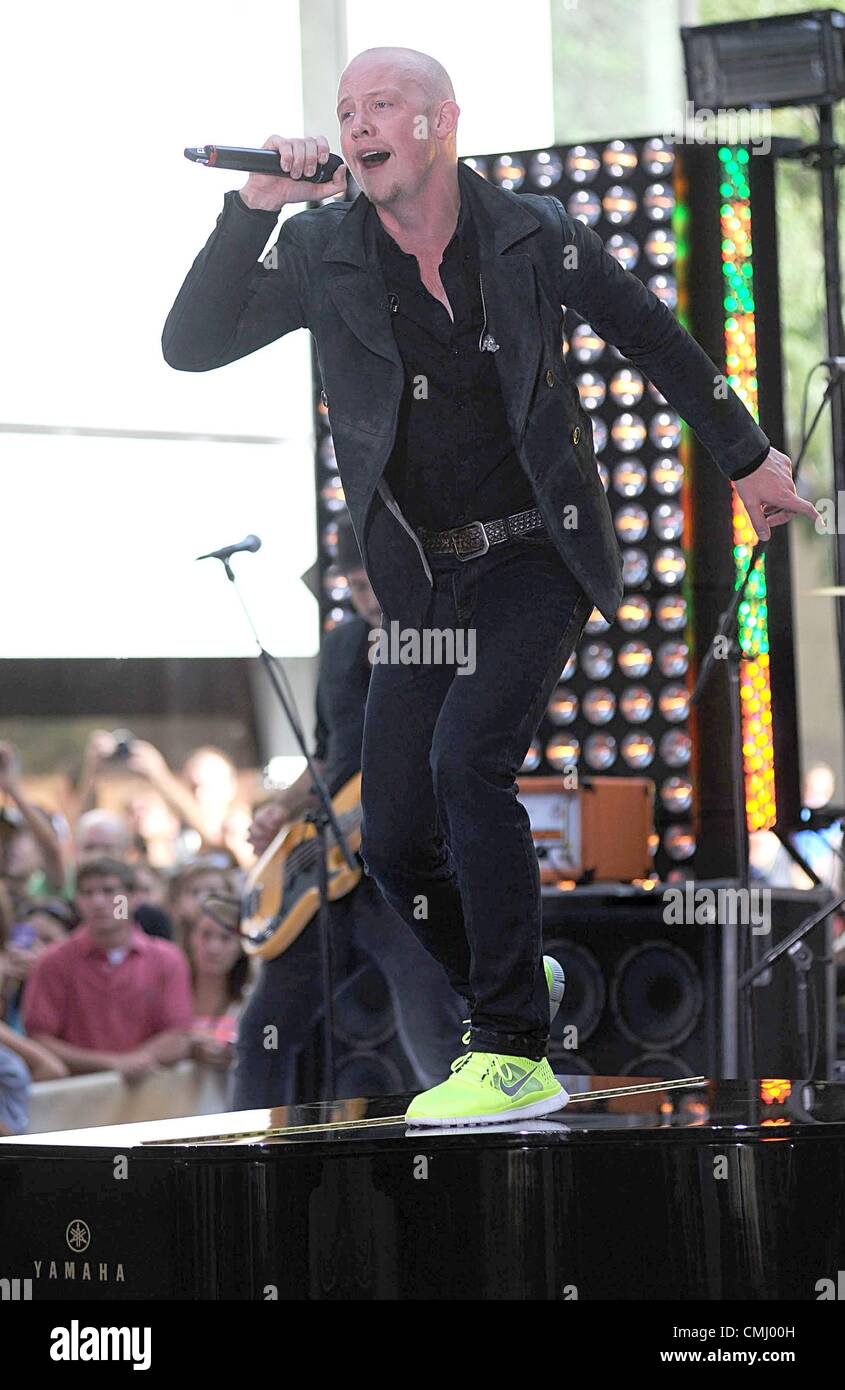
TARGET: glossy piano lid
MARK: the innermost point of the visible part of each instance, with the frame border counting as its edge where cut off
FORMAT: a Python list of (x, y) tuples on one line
[(600, 1107)]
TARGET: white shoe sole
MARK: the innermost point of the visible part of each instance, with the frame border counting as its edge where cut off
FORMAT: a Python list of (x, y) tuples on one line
[(523, 1112)]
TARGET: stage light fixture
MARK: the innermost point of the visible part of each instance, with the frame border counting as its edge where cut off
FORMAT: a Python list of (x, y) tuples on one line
[(657, 158), (619, 204), (563, 751), (584, 205), (592, 389), (638, 750), (667, 521), (673, 658), (582, 164), (597, 660), (635, 565), (629, 477), (563, 706), (619, 158), (636, 704), (781, 60), (659, 202), (660, 247), (626, 387), (600, 751), (628, 432), (631, 523), (624, 249), (667, 476), (676, 794), (675, 748), (635, 659), (546, 169), (508, 172), (634, 613)]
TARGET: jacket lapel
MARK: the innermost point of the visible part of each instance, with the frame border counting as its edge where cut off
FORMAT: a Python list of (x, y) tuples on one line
[(356, 284)]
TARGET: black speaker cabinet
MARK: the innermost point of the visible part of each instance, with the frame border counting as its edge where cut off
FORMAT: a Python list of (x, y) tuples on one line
[(647, 998), (369, 1057)]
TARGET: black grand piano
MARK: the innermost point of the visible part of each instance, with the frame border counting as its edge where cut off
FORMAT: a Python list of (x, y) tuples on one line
[(639, 1189)]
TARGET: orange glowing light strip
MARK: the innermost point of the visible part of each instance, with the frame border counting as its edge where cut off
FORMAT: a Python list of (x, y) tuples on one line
[(741, 360)]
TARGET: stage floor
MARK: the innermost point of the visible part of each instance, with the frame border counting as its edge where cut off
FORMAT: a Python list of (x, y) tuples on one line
[(638, 1189)]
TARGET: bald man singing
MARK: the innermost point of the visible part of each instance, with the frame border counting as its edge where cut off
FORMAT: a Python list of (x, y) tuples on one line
[(435, 302)]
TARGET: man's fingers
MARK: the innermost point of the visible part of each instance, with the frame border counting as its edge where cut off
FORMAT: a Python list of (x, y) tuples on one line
[(805, 507), (766, 514), (790, 502)]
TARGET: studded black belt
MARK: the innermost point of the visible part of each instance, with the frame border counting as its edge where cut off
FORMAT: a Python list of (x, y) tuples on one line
[(477, 537)]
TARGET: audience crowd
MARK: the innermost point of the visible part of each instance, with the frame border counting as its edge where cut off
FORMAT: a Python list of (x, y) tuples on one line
[(119, 948)]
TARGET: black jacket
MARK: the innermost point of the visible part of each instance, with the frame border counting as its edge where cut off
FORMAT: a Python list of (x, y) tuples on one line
[(324, 275)]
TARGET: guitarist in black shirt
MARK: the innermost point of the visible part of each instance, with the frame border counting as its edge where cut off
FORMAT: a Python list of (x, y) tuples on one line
[(289, 990)]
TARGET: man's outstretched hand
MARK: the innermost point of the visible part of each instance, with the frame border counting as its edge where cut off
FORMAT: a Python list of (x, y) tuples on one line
[(768, 495)]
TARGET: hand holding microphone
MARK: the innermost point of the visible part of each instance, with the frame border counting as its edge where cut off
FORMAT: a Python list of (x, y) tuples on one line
[(298, 158)]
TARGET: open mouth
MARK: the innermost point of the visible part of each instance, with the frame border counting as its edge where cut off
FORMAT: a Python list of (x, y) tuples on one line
[(374, 158)]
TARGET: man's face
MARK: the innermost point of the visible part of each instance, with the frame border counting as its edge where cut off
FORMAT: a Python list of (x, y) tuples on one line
[(379, 110), (96, 902)]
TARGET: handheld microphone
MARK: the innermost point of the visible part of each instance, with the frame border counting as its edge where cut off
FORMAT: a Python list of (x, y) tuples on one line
[(257, 162), (248, 543)]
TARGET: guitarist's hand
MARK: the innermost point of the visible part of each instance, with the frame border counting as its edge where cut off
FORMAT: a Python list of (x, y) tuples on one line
[(267, 822)]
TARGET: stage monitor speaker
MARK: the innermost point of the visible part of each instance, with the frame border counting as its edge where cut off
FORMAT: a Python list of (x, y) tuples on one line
[(645, 998)]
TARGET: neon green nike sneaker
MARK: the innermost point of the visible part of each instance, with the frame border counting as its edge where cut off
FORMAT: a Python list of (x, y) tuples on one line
[(485, 1087)]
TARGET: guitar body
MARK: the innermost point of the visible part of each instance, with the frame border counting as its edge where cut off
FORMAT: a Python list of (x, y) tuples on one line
[(282, 890)]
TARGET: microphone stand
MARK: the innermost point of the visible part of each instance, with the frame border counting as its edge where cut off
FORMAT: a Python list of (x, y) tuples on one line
[(324, 821)]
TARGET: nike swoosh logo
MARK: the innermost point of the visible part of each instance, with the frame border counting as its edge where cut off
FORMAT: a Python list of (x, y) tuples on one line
[(512, 1090)]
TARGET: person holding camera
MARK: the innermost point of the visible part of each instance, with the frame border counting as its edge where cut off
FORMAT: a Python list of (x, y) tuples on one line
[(193, 812)]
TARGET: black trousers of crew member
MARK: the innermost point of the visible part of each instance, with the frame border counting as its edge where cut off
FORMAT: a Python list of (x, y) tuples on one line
[(444, 834), (289, 996)]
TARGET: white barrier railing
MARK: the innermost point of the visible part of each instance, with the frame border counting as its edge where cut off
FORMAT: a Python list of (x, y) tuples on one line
[(105, 1098)]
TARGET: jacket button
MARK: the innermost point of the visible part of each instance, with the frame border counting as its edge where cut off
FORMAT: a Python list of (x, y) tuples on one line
[(576, 434), (324, 398), (550, 377)]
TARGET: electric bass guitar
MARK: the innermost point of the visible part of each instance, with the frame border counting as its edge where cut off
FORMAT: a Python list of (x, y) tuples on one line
[(282, 890)]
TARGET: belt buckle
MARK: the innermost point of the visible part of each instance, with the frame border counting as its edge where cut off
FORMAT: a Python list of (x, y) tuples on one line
[(472, 554)]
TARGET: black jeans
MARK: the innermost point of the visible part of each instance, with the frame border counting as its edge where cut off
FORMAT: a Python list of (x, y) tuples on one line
[(444, 835), (289, 996)]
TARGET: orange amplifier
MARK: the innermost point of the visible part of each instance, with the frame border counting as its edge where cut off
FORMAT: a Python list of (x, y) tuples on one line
[(601, 830)]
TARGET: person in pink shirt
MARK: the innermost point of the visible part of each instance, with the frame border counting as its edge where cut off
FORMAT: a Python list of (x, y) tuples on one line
[(110, 997)]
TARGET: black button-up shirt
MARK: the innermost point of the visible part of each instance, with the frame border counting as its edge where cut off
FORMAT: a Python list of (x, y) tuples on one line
[(453, 459)]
